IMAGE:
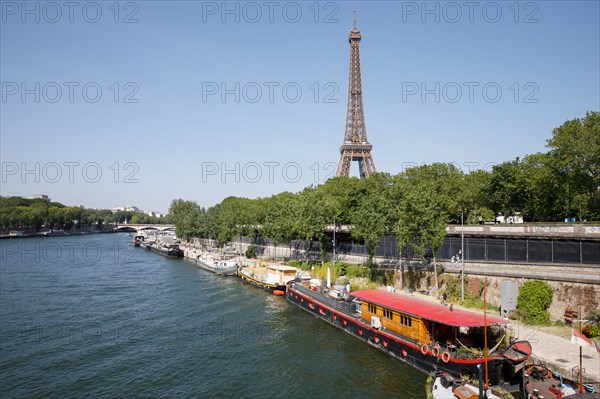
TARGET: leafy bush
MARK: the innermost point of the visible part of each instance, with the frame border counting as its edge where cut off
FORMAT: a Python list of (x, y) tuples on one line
[(428, 386), (534, 299), (594, 316), (592, 330), (383, 277), (356, 271), (516, 315), (251, 252)]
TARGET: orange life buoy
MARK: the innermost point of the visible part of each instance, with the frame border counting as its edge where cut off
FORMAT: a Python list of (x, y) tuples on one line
[(376, 339), (404, 352), (435, 351), (424, 349), (345, 322), (446, 357), (334, 317), (359, 332), (384, 343)]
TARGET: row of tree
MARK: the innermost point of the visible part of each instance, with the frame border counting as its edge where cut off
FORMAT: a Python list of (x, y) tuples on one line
[(37, 214), (416, 205)]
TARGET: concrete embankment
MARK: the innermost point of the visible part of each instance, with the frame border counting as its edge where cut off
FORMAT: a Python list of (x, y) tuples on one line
[(574, 284)]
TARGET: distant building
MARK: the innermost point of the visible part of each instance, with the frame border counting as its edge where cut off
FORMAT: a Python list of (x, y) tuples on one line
[(513, 219), (40, 196), (129, 208)]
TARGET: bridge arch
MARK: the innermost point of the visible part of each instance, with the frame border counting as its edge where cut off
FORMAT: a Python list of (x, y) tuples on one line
[(143, 227)]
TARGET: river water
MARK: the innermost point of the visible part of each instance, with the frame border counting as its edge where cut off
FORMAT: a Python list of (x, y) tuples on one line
[(92, 316)]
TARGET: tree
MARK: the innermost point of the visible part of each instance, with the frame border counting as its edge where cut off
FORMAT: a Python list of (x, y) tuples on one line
[(506, 190), (186, 216), (575, 149), (543, 193), (343, 194), (472, 197), (423, 213), (281, 218), (316, 211), (371, 218)]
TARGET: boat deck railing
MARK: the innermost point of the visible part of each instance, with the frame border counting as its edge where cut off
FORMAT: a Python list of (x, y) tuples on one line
[(346, 307)]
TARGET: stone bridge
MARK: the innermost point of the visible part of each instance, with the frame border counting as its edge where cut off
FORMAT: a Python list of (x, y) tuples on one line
[(141, 227)]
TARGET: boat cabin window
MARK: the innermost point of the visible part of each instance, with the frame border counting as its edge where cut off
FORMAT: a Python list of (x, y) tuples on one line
[(372, 308), (407, 321), (388, 314)]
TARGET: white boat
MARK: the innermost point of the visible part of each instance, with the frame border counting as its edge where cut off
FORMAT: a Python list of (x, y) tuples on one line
[(446, 387), (270, 277), (217, 264), (55, 233)]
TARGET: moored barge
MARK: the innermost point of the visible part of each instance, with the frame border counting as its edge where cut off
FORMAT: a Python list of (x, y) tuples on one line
[(223, 267), (166, 247), (429, 337), (271, 277), (540, 382)]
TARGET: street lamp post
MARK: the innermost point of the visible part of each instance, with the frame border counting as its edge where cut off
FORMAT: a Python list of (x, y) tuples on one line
[(462, 256), (334, 241)]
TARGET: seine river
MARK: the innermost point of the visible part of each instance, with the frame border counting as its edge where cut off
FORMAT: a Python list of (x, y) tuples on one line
[(91, 316)]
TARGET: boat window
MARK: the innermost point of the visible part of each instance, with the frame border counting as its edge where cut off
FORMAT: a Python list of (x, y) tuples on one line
[(407, 321), (372, 308), (387, 314)]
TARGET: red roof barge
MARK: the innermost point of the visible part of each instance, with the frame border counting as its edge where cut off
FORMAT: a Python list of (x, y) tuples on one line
[(427, 310), (429, 337)]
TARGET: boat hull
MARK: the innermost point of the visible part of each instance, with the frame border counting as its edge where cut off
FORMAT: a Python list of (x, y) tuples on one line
[(55, 233), (261, 284), (222, 271), (171, 253), (403, 350)]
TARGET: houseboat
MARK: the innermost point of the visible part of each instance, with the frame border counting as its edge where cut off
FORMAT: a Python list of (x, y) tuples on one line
[(165, 246), (430, 337), (540, 382), (217, 264), (55, 233), (138, 240), (271, 277)]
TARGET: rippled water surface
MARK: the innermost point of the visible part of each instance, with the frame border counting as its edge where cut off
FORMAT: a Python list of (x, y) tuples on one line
[(91, 316)]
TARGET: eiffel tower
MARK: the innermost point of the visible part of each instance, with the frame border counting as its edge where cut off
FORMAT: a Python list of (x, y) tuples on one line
[(356, 145)]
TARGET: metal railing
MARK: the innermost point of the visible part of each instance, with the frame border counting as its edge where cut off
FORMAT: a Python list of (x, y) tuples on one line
[(484, 249)]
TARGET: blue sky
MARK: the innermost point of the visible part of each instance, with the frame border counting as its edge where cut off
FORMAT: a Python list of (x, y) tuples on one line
[(202, 100)]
